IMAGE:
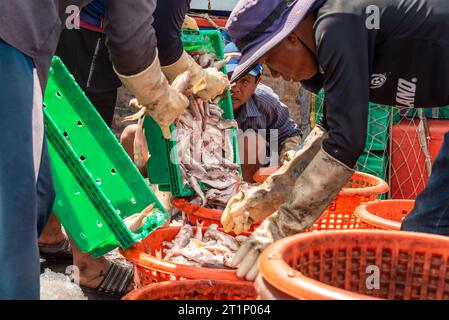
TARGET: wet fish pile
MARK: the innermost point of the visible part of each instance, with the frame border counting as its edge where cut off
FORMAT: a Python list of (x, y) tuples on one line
[(205, 146), (213, 249)]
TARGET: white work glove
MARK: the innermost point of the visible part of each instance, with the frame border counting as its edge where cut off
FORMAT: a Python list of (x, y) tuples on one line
[(207, 83), (315, 188), (248, 207), (152, 91), (288, 149)]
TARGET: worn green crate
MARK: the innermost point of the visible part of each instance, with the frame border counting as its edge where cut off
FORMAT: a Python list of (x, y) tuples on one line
[(97, 185), (161, 170), (430, 113), (378, 123)]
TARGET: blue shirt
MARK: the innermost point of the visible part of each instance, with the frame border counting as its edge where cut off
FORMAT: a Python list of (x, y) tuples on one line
[(264, 110), (94, 12)]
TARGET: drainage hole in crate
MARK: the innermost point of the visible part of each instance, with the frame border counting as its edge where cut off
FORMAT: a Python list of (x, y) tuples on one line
[(65, 134), (58, 94), (113, 171), (118, 211), (82, 158), (99, 224), (45, 106), (82, 235), (99, 181), (80, 124), (133, 201), (76, 192)]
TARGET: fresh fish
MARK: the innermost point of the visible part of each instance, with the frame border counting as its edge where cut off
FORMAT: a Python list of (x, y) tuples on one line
[(194, 184), (213, 233), (199, 231), (218, 184), (182, 239), (241, 238), (220, 64), (207, 59), (141, 153), (136, 221)]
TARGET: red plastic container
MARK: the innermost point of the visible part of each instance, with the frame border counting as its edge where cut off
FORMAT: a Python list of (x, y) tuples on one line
[(385, 214), (149, 269), (409, 173), (357, 264), (195, 290)]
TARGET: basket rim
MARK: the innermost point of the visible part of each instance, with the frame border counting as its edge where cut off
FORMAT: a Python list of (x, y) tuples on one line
[(188, 284), (291, 282), (380, 186), (362, 212), (147, 261), (195, 209)]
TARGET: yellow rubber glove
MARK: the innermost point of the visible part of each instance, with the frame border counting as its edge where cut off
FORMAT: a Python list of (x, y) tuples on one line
[(211, 81), (152, 91)]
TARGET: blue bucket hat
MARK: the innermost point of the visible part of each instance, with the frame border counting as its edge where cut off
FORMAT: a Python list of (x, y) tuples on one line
[(257, 26), (231, 51)]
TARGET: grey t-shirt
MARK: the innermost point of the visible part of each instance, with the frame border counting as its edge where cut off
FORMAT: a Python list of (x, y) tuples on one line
[(404, 62)]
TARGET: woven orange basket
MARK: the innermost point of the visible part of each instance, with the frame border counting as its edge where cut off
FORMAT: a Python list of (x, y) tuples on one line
[(195, 290), (196, 213), (385, 214), (149, 269), (358, 264)]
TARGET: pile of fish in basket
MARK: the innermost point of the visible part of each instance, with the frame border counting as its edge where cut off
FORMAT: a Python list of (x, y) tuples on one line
[(206, 156)]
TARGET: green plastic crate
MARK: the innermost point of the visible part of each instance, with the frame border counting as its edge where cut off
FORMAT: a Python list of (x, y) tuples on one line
[(161, 170), (97, 185), (430, 113), (378, 123)]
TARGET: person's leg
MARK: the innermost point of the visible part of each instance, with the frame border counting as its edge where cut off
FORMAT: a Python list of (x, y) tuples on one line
[(252, 153), (431, 212), (127, 142), (26, 189), (86, 56)]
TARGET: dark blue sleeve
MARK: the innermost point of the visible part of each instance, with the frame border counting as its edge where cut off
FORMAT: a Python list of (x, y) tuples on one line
[(168, 19), (343, 53)]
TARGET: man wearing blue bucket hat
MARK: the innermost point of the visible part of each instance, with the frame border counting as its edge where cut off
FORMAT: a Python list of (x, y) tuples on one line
[(390, 52), (261, 117)]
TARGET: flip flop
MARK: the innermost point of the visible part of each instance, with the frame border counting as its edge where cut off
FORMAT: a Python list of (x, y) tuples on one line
[(59, 252), (114, 285)]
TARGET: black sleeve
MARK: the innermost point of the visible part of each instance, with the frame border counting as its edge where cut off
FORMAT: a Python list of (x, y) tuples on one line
[(131, 39), (168, 19), (343, 53)]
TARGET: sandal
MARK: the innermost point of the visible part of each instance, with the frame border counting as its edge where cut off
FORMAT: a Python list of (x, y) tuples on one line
[(59, 252), (114, 285)]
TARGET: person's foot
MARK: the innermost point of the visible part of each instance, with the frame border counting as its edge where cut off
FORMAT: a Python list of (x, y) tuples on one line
[(91, 272), (52, 233)]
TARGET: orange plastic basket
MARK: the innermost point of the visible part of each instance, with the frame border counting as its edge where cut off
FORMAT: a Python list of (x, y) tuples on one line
[(385, 214), (263, 173), (359, 264), (195, 290), (149, 269), (362, 187), (197, 213)]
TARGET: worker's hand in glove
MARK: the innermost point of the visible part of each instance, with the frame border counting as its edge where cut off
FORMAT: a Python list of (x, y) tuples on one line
[(206, 83), (244, 209), (288, 148), (288, 156), (155, 97), (247, 257), (214, 84)]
